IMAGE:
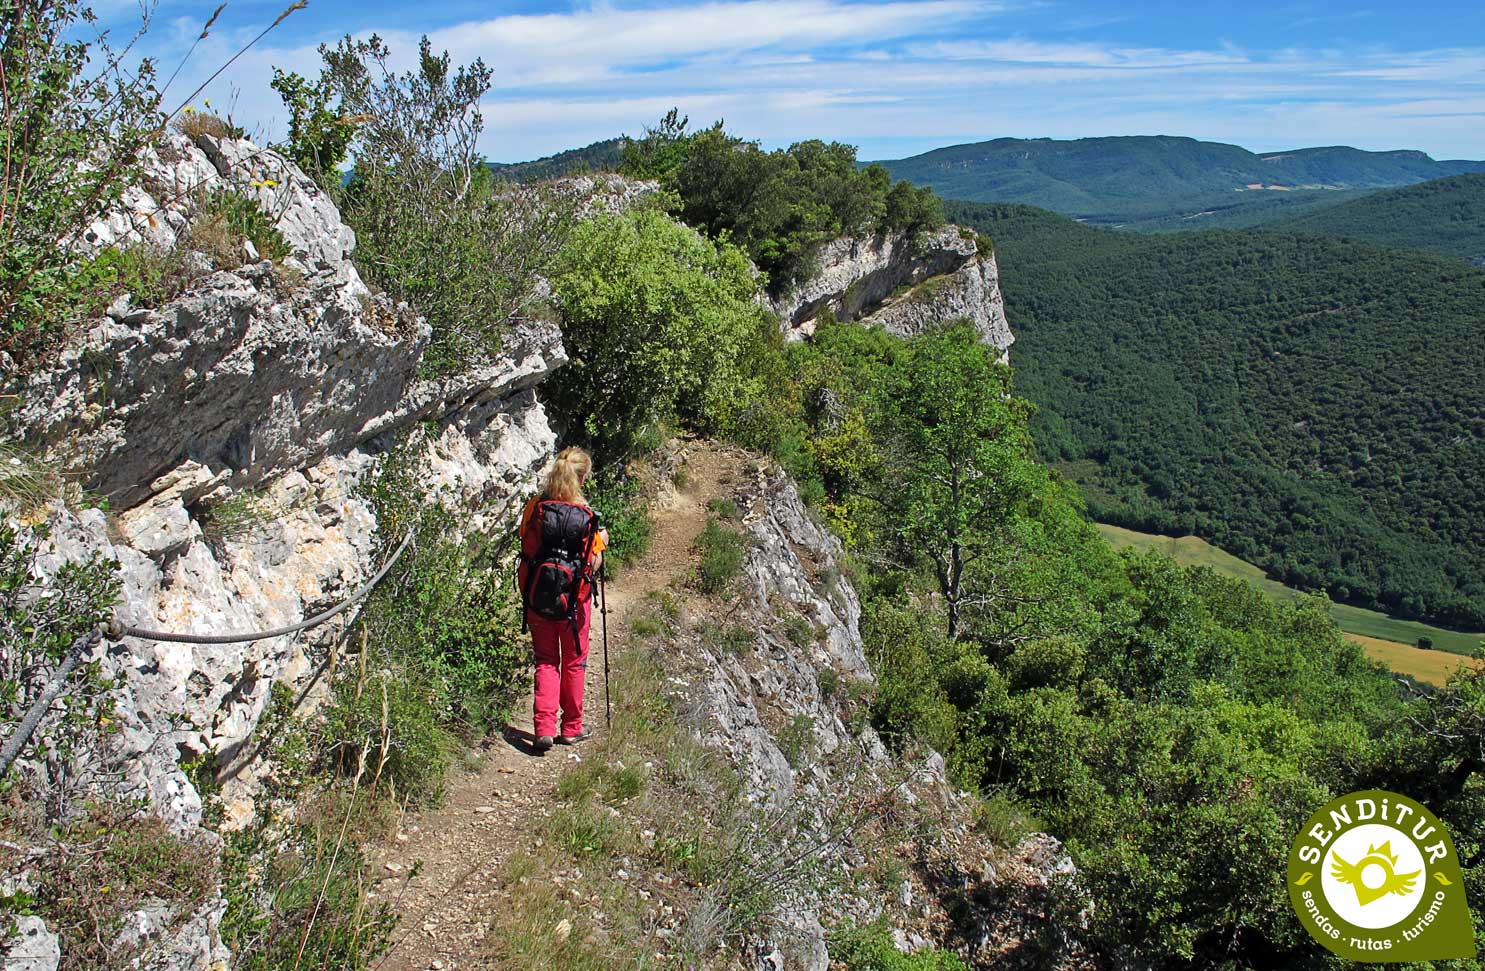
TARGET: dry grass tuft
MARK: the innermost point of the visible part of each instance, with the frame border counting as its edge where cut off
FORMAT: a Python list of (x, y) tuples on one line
[(194, 124)]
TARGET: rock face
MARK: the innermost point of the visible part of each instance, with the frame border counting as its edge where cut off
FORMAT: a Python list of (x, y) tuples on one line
[(230, 430), (784, 711), (245, 374), (30, 947), (902, 284)]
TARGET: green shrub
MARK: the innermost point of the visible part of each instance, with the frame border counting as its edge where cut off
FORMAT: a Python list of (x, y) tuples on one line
[(320, 136), (225, 219), (150, 276), (68, 96), (656, 319), (620, 500), (870, 948), (106, 863), (432, 227), (779, 206), (722, 552), (829, 682), (385, 727), (799, 630), (797, 740), (724, 508), (727, 639), (448, 613), (456, 623)]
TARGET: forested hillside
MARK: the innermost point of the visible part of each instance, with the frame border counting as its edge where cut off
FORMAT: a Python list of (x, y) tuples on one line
[(1445, 215), (1162, 182), (598, 157), (1311, 405)]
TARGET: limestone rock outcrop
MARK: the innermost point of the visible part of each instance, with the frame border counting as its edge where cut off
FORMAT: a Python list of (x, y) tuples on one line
[(901, 283), (782, 711), (231, 431)]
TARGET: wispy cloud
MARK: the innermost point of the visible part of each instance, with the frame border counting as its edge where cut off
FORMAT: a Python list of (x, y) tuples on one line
[(905, 75)]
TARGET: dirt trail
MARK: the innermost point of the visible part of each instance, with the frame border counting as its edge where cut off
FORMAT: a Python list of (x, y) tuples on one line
[(496, 808)]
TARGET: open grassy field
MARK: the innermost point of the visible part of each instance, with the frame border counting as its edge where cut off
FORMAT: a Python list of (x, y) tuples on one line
[(1431, 666), (1386, 638)]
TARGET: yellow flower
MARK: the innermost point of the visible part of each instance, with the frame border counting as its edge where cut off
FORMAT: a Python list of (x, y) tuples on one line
[(270, 183), (188, 109)]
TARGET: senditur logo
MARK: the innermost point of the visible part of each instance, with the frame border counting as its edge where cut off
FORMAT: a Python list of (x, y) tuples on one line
[(1373, 876)]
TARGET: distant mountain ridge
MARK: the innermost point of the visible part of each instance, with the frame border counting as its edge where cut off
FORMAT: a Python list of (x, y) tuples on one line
[(602, 156), (1162, 181)]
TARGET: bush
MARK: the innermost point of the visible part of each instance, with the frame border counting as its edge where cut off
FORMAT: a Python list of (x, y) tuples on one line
[(870, 948), (432, 228), (319, 137), (150, 276), (799, 630), (722, 554), (102, 866), (620, 500), (727, 639), (224, 219), (1425, 643), (384, 727), (66, 100), (656, 319)]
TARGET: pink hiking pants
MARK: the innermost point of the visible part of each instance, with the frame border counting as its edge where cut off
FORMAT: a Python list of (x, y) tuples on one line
[(561, 663)]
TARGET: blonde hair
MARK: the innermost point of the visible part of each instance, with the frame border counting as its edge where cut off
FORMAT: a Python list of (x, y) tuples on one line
[(565, 481)]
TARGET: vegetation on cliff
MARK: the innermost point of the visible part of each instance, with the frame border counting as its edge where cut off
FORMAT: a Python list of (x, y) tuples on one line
[(780, 206), (1174, 726)]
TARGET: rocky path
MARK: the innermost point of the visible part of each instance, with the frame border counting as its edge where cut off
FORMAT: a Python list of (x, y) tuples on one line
[(442, 872)]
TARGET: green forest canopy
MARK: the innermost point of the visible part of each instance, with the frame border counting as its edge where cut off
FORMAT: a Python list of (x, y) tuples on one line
[(1445, 215), (1310, 405)]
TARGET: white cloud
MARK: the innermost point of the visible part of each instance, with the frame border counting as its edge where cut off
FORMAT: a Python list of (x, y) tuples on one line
[(909, 73), (1083, 55)]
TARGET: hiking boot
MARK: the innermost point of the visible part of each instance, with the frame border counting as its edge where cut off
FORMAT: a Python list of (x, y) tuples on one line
[(574, 739), (543, 743)]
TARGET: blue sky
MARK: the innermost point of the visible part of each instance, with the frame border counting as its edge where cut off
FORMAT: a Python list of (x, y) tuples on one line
[(898, 77)]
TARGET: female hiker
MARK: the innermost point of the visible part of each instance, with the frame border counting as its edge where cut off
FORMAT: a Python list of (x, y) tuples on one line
[(561, 552)]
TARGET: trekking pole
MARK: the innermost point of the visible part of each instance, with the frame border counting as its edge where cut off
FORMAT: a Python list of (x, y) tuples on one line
[(608, 711)]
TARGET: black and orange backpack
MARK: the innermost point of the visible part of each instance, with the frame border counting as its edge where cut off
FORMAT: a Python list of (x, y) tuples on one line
[(556, 546)]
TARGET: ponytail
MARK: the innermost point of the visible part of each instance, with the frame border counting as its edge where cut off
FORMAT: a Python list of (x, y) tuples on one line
[(565, 481)]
